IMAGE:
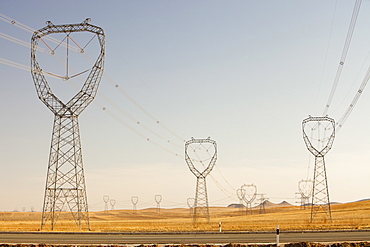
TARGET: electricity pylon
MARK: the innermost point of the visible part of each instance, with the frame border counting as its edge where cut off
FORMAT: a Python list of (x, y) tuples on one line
[(106, 200), (65, 182), (262, 203), (112, 203), (323, 132), (158, 199), (191, 202), (134, 200), (249, 194), (305, 191), (240, 193), (204, 154)]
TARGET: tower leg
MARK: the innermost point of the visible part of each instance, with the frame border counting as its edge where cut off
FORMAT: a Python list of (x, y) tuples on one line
[(65, 188), (201, 200), (320, 192)]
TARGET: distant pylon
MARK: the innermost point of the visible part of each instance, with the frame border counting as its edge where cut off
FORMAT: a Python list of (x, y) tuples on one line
[(240, 193), (191, 202), (134, 200), (249, 193), (323, 132), (305, 191), (158, 199), (106, 200), (262, 203), (112, 203), (65, 187), (203, 152)]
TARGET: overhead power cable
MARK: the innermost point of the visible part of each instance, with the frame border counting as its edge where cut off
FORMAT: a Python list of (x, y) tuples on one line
[(141, 108), (345, 116), (18, 41), (326, 54), (344, 54), (135, 131), (14, 64)]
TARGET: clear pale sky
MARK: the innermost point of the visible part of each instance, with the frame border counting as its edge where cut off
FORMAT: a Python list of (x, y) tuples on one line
[(245, 73)]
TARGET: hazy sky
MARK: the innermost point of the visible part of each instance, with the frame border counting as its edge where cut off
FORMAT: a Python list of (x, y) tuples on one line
[(245, 73)]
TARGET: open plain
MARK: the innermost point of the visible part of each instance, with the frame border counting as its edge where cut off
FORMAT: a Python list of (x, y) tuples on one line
[(348, 216)]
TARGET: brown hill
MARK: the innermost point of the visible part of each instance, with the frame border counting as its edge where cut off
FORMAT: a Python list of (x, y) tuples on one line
[(268, 204)]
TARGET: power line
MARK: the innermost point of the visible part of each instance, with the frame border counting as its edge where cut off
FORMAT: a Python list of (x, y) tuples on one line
[(327, 52), (345, 116), (344, 54), (135, 131), (14, 64)]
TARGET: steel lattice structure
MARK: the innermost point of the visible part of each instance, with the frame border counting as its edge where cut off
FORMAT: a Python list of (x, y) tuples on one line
[(324, 128), (262, 203), (106, 200), (305, 191), (249, 193), (239, 194), (158, 199), (191, 202), (134, 200), (65, 183), (201, 197), (112, 203)]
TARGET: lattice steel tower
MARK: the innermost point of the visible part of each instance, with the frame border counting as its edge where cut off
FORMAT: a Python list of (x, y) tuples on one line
[(323, 132), (201, 161), (305, 187), (158, 199), (249, 193), (65, 183), (239, 194)]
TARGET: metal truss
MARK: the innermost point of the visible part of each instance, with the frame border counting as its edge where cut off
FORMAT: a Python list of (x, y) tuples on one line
[(191, 202), (324, 129), (134, 200), (240, 193), (106, 200), (305, 191), (249, 193), (158, 199), (262, 203), (65, 188), (201, 198)]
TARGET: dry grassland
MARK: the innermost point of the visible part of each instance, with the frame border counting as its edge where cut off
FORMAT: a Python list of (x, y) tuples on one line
[(345, 216)]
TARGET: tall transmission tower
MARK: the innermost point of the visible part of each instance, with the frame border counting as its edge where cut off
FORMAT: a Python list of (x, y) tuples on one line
[(191, 202), (323, 133), (65, 183), (106, 200), (134, 200), (249, 193), (305, 191), (112, 203), (202, 159), (158, 199), (240, 192), (262, 199)]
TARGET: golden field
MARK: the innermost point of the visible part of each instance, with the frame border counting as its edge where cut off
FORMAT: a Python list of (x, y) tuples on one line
[(354, 215)]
